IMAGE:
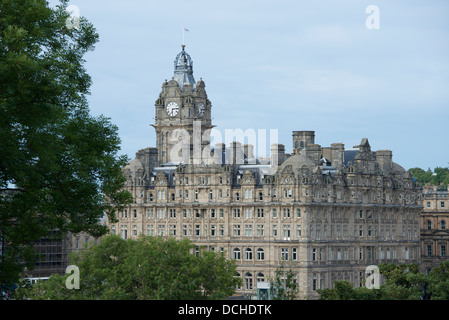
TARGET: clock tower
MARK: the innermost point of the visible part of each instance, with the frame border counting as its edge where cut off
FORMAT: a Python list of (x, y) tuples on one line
[(182, 110)]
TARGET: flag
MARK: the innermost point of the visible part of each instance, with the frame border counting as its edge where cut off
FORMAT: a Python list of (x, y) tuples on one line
[(185, 29)]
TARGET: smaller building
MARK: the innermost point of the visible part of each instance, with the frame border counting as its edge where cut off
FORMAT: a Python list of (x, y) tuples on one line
[(434, 227)]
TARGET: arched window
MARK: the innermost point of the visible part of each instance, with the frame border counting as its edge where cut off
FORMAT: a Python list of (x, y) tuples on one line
[(429, 225), (443, 225), (248, 254), (238, 276), (248, 281), (260, 254), (236, 254), (260, 277)]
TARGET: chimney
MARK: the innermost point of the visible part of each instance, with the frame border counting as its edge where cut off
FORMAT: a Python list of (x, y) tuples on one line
[(313, 152), (301, 139), (384, 159), (248, 150), (236, 153), (277, 152), (220, 153), (337, 155)]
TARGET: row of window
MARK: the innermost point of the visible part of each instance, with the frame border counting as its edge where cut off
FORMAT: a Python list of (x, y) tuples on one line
[(204, 180), (248, 230), (186, 194), (248, 279), (442, 225), (442, 251), (369, 253), (247, 213), (258, 230), (442, 204)]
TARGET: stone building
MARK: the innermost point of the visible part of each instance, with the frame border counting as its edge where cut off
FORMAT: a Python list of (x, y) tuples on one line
[(326, 213), (434, 227)]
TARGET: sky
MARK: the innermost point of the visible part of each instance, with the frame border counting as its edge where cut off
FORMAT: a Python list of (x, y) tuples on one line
[(282, 65)]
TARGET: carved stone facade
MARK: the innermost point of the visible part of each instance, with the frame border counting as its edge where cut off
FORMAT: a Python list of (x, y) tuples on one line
[(326, 213), (434, 227)]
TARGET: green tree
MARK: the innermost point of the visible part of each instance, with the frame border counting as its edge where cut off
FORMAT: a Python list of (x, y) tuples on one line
[(284, 285), (59, 168), (438, 177), (146, 268), (400, 282)]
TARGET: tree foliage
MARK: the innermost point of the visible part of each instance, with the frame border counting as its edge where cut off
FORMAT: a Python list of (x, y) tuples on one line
[(59, 168), (438, 177), (142, 269), (400, 282), (284, 285)]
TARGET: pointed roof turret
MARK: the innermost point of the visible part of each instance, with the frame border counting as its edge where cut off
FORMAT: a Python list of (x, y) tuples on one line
[(184, 70)]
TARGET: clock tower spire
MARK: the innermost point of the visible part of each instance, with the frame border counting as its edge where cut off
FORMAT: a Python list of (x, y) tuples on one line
[(181, 102)]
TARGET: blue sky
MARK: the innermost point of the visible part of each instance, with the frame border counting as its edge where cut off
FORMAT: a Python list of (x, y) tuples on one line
[(286, 65)]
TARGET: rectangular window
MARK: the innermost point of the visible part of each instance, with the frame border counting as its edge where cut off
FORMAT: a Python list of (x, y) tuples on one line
[(286, 228), (161, 230), (197, 229), (284, 254), (248, 230), (150, 230), (236, 229), (429, 251), (260, 230)]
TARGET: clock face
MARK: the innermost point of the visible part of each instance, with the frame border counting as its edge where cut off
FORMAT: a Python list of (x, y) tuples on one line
[(172, 109), (201, 109)]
